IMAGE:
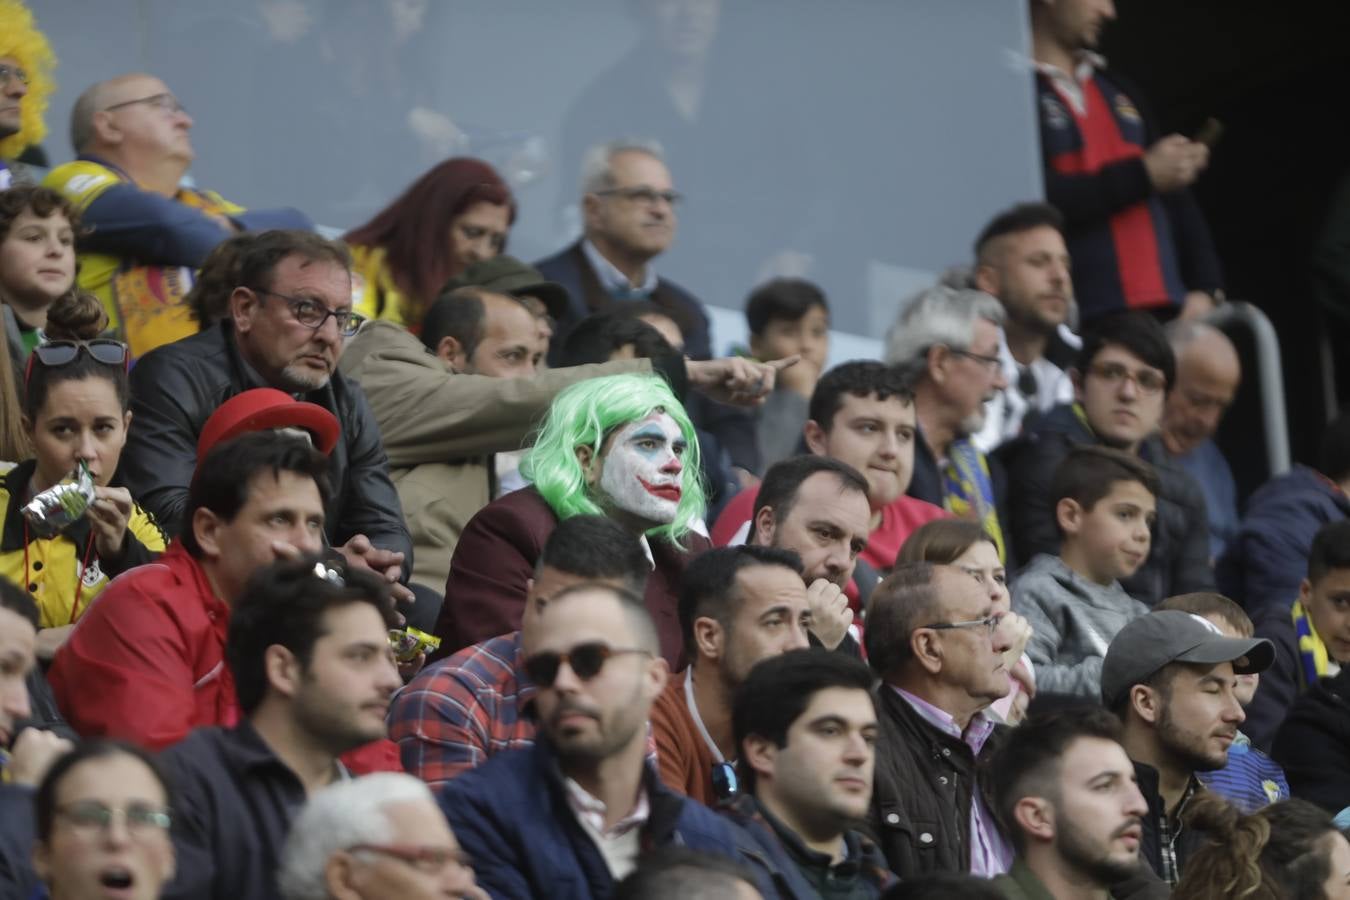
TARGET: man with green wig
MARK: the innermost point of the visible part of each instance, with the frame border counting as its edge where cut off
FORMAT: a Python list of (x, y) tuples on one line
[(619, 446)]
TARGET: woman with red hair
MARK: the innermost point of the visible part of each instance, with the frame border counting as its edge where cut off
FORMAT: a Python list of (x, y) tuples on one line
[(456, 214)]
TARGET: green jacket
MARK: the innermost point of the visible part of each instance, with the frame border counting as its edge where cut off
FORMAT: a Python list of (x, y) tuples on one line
[(1021, 884)]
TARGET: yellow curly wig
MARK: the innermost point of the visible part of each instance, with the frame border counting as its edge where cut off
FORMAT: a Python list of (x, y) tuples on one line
[(21, 41)]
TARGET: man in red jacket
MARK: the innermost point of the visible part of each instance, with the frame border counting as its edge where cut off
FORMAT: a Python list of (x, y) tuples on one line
[(146, 662)]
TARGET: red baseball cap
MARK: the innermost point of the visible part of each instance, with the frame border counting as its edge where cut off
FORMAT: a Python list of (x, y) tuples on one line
[(264, 408)]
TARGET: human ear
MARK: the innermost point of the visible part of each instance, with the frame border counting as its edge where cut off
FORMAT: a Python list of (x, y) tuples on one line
[(815, 437), (762, 528), (709, 639), (1069, 515)]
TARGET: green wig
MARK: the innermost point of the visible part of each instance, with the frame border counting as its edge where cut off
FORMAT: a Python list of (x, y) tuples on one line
[(21, 40), (584, 415)]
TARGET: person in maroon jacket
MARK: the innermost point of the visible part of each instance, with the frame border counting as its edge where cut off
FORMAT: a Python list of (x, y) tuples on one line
[(620, 446)]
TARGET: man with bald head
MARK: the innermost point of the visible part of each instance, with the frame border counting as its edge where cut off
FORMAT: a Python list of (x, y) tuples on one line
[(572, 815), (146, 233), (1208, 373)]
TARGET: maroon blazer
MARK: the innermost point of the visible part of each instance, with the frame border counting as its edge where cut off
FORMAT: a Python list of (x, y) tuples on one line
[(496, 555)]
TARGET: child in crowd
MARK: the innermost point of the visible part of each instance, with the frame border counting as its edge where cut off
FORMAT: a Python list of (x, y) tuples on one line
[(1105, 502), (787, 317), (1251, 779)]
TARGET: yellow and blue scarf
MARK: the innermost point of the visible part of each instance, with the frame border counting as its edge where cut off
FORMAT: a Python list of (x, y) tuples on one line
[(968, 491)]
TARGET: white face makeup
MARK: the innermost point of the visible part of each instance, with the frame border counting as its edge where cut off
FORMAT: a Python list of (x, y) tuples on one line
[(641, 472)]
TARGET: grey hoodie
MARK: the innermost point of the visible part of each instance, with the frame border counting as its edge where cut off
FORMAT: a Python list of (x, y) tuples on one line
[(1073, 621)]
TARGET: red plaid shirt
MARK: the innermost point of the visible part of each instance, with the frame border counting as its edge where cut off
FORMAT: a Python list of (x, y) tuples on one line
[(461, 710)]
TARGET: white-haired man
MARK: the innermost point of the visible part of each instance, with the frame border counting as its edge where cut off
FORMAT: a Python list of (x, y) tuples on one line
[(949, 339), (628, 213), (381, 837)]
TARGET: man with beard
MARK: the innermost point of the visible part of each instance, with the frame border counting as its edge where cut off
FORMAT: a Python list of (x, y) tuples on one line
[(738, 605), (817, 508), (806, 727), (1171, 677), (1121, 379), (314, 672), (949, 339), (1020, 258), (933, 639), (572, 815), (290, 314), (1138, 238), (1067, 792)]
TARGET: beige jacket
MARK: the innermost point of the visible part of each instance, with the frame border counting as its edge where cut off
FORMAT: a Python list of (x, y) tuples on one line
[(440, 430)]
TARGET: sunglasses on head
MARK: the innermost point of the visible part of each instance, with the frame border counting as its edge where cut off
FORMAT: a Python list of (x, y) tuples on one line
[(54, 354), (586, 660)]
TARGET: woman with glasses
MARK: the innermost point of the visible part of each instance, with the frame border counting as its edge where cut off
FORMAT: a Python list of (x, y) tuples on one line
[(103, 814), (458, 213), (75, 415), (967, 546)]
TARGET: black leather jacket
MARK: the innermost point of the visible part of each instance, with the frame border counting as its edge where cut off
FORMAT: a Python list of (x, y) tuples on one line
[(174, 390)]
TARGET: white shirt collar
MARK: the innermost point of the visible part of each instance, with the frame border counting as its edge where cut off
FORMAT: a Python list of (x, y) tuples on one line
[(611, 279)]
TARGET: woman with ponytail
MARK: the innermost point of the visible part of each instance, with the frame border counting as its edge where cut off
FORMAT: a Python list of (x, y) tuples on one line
[(75, 411), (1287, 851)]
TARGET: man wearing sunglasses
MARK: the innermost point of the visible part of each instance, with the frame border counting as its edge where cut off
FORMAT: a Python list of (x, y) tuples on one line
[(571, 816), (933, 639), (289, 319), (1121, 380), (26, 84), (146, 233)]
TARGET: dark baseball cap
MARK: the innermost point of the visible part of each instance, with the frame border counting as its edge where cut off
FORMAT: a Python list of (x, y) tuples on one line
[(1152, 641), (508, 275)]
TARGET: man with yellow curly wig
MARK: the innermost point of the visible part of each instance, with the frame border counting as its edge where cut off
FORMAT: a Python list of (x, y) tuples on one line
[(26, 64), (619, 446)]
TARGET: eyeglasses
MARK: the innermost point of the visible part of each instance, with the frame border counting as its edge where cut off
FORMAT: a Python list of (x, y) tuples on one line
[(586, 661), (313, 314), (13, 73), (165, 103), (725, 784), (432, 860), (1147, 380), (988, 623), (644, 195), (91, 817), (990, 363)]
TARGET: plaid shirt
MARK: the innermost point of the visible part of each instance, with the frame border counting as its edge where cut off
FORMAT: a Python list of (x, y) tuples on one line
[(461, 710), (1169, 829)]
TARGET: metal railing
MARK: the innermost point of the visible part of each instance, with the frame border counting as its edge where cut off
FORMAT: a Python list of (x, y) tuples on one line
[(1269, 374)]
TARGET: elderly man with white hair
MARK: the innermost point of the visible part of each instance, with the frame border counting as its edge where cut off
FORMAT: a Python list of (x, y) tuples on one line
[(949, 339), (628, 210), (381, 837)]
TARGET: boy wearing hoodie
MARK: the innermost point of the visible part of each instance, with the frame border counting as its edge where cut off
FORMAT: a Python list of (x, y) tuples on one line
[(1105, 505)]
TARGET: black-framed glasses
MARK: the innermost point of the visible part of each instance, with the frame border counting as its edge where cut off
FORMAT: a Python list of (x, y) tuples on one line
[(586, 661), (13, 73), (644, 195), (725, 784), (165, 103), (426, 858), (988, 623), (92, 817), (313, 314), (63, 353), (1147, 380), (990, 363)]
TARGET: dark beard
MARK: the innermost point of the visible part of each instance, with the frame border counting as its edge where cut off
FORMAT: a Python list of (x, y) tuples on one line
[(1090, 859), (1174, 742)]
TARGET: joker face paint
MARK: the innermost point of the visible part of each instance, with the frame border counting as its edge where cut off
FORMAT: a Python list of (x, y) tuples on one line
[(640, 473)]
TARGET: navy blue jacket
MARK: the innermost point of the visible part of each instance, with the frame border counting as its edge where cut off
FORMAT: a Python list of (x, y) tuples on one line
[(512, 817), (1265, 562), (1178, 560), (1313, 744), (572, 270), (18, 829)]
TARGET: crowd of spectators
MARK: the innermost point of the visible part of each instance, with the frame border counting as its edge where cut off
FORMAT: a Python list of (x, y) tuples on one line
[(392, 566)]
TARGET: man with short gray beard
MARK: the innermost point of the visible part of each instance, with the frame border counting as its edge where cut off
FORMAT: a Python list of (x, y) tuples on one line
[(949, 339), (288, 319)]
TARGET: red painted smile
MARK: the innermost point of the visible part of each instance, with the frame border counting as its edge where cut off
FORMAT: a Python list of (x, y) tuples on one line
[(669, 492)]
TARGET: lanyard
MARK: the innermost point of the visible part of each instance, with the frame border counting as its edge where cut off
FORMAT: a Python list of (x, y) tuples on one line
[(698, 720)]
